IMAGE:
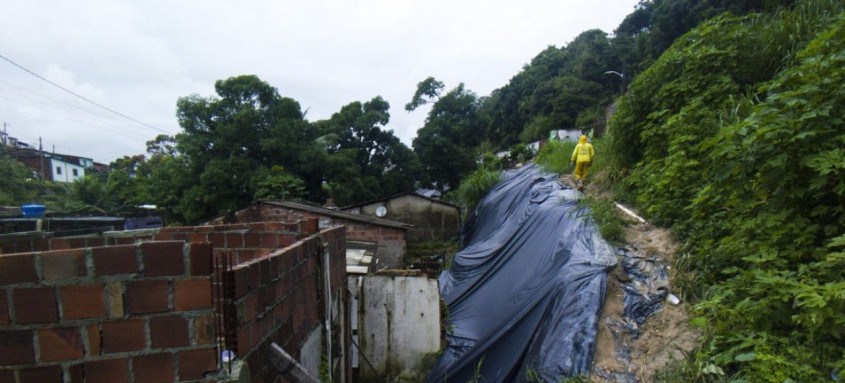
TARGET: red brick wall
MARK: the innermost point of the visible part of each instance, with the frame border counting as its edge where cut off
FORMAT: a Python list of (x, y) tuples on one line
[(278, 298), (140, 312), (391, 241), (127, 311)]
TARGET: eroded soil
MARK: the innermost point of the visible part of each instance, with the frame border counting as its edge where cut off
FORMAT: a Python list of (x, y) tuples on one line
[(664, 338)]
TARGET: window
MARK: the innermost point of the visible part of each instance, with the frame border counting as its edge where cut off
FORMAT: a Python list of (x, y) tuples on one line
[(76, 172), (58, 170)]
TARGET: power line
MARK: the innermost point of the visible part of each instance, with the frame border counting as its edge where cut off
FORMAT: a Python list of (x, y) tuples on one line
[(82, 97)]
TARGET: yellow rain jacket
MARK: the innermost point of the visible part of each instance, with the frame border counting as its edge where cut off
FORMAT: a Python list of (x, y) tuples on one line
[(582, 156), (584, 151)]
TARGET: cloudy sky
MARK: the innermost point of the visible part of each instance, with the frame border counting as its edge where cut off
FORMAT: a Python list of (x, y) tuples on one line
[(138, 57)]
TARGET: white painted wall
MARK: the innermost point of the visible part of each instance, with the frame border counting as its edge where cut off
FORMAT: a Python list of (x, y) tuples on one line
[(63, 171), (398, 324)]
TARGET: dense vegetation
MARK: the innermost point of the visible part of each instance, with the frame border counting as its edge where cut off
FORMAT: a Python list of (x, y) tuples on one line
[(735, 137), (729, 128)]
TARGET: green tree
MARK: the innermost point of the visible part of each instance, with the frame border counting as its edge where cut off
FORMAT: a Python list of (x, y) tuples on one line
[(19, 183), (226, 140), (447, 144), (375, 163)]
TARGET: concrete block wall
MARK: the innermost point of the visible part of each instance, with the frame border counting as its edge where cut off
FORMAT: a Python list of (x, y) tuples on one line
[(125, 313)]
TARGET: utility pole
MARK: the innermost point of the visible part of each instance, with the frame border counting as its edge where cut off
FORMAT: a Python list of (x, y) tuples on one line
[(41, 154)]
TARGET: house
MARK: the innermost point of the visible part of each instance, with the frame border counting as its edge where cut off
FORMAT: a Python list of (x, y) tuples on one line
[(55, 167), (432, 219), (387, 236), (565, 134)]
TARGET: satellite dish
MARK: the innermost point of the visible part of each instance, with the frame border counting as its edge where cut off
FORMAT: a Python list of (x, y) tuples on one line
[(381, 211)]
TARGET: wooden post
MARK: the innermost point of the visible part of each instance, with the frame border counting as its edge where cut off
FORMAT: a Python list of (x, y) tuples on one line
[(286, 365)]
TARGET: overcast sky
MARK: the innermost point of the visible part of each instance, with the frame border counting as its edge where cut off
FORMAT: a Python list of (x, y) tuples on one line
[(138, 57)]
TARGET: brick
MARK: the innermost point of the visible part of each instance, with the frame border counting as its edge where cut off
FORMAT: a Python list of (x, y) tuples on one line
[(36, 305), (144, 297), (192, 294), (264, 272), (4, 308), (42, 374), (218, 240), (269, 240), (244, 340), (63, 264), (163, 258), (308, 226), (241, 278), (58, 344), (113, 260), (252, 240), (123, 335), (17, 268), (201, 258), (167, 332), (75, 371), (194, 364), (17, 347), (95, 341), (204, 329), (59, 244), (7, 376), (234, 240), (83, 301), (107, 371), (154, 368)]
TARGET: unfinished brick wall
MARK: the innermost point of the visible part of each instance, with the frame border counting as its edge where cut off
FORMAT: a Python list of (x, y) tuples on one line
[(279, 298), (139, 312), (391, 240), (144, 312)]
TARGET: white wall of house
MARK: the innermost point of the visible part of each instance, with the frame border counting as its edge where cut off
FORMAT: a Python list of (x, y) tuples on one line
[(66, 172)]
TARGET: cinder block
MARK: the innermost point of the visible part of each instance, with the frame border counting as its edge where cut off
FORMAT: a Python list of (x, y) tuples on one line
[(83, 301), (57, 344), (115, 260), (17, 347), (163, 258), (192, 294), (154, 368), (107, 371), (123, 335), (37, 305), (166, 332), (63, 264), (17, 268), (193, 364), (147, 297)]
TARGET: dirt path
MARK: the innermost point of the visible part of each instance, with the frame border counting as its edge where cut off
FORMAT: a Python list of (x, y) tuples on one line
[(665, 337)]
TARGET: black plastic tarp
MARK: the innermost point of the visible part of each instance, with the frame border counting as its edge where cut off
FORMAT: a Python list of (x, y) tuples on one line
[(525, 293)]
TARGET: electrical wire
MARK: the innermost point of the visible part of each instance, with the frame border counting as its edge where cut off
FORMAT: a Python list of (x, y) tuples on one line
[(82, 97)]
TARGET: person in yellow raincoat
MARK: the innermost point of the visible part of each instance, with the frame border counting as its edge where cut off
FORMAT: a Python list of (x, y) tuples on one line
[(582, 157)]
